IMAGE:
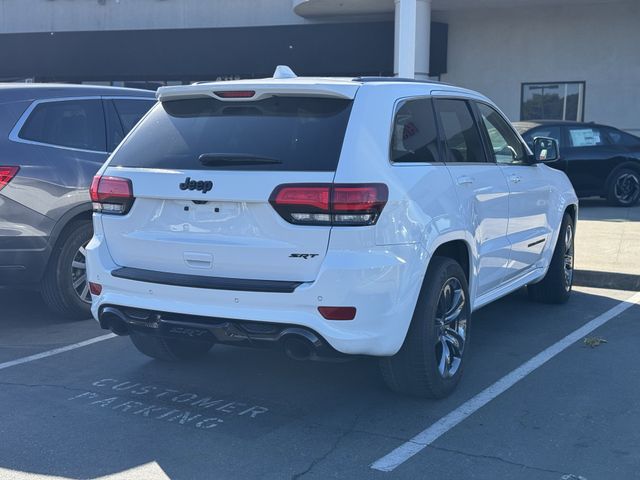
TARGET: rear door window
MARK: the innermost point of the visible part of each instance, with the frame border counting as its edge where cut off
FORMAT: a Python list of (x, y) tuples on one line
[(415, 136), (122, 116), (131, 111), (67, 123), (461, 133), (276, 133)]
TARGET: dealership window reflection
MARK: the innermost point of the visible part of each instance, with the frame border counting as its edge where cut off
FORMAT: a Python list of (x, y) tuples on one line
[(552, 101)]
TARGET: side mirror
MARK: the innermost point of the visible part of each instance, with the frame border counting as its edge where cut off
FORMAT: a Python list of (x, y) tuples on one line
[(545, 150)]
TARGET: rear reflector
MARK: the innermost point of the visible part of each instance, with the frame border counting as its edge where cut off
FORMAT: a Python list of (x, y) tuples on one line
[(111, 194), (338, 313), (235, 94), (95, 288), (330, 204), (7, 174)]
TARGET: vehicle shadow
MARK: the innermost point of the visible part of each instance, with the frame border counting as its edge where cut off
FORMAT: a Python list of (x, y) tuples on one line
[(25, 307), (598, 209)]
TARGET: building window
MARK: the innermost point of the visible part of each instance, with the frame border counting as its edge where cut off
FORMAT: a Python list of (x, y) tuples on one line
[(552, 101)]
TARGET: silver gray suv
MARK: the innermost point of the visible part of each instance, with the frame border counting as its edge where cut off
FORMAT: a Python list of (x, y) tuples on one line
[(53, 139)]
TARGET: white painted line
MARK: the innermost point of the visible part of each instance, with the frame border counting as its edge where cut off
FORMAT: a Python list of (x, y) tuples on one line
[(55, 351), (408, 449)]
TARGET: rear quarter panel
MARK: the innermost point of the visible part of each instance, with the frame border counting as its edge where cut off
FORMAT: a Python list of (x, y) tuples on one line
[(421, 211)]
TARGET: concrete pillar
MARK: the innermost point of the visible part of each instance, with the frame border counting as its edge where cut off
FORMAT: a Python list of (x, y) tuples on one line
[(412, 38), (423, 38)]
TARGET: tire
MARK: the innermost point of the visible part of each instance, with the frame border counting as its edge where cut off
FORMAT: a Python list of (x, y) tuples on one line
[(169, 349), (419, 368), (624, 188), (64, 286), (556, 285)]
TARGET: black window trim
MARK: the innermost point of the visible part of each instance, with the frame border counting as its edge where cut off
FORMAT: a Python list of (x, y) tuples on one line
[(584, 95), (14, 135), (396, 106)]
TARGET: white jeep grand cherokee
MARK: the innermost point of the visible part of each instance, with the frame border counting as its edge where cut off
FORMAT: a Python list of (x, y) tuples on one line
[(327, 217)]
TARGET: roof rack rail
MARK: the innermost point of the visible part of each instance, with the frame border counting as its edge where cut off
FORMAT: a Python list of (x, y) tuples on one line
[(366, 79)]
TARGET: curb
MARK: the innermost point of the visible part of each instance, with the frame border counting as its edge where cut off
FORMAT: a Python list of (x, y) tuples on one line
[(611, 280)]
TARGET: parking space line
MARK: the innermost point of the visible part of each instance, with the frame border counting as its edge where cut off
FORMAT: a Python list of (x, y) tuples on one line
[(413, 446), (55, 351)]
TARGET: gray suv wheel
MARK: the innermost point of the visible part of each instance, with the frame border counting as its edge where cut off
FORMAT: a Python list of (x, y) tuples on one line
[(64, 287)]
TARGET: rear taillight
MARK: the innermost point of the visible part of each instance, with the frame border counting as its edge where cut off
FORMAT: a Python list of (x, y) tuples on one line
[(330, 204), (7, 174), (111, 194)]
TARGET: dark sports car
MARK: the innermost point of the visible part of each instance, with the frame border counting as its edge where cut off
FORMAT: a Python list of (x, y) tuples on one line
[(598, 159)]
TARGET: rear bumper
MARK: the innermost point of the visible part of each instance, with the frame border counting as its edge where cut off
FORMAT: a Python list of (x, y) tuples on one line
[(25, 248), (18, 267), (383, 284)]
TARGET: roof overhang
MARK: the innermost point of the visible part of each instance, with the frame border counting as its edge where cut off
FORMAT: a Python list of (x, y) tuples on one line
[(328, 8)]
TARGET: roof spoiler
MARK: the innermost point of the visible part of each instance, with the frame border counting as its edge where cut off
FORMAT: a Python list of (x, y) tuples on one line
[(283, 83)]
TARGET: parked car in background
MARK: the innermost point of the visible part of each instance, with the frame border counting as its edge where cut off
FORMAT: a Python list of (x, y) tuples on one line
[(598, 159), (53, 139), (326, 217)]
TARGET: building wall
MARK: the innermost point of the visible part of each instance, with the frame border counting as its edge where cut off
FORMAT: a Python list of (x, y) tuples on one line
[(83, 15), (494, 51)]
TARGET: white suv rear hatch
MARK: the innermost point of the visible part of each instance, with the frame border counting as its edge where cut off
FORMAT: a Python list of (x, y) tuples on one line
[(203, 170)]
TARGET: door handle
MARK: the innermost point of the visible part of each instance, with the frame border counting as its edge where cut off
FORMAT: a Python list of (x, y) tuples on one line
[(514, 178), (465, 180)]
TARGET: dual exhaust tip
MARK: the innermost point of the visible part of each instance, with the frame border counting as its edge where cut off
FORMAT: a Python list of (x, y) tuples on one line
[(114, 320), (298, 344)]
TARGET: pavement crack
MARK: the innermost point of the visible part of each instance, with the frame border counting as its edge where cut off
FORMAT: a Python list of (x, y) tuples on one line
[(331, 449), (42, 385), (498, 459)]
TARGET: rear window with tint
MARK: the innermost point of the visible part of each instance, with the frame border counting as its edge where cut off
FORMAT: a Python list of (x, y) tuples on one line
[(281, 133), (621, 138)]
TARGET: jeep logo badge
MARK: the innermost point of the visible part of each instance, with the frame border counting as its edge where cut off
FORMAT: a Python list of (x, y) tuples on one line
[(203, 185)]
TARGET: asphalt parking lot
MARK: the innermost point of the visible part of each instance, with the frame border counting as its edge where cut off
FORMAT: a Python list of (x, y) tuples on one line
[(536, 402)]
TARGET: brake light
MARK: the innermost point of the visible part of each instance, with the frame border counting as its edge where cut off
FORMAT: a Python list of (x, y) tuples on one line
[(7, 174), (111, 194), (330, 204), (235, 94)]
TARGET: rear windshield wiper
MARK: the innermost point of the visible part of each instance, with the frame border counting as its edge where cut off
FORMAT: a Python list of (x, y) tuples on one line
[(235, 159)]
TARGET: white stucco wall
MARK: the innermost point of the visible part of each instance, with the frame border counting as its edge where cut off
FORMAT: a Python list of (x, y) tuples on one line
[(494, 51), (18, 16)]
